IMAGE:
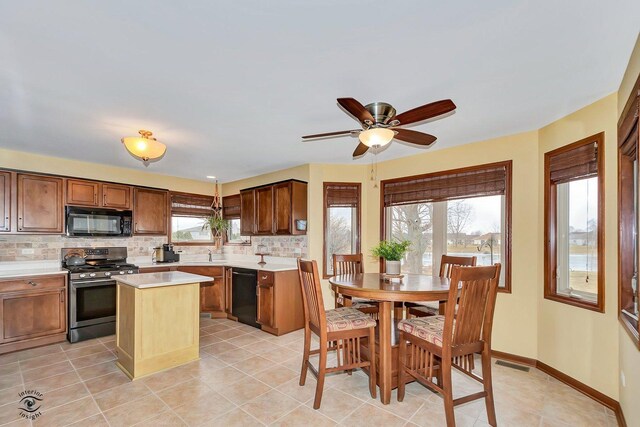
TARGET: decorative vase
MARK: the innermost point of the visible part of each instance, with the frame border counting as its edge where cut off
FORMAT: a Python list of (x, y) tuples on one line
[(392, 267)]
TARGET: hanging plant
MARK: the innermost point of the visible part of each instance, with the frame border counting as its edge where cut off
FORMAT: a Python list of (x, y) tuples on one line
[(216, 225)]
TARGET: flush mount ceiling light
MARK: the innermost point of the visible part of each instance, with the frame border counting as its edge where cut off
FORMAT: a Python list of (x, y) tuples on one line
[(145, 147), (376, 137)]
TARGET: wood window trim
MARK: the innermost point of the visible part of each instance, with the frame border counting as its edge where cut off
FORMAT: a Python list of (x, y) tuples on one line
[(627, 214), (508, 166), (230, 211), (324, 220), (550, 206)]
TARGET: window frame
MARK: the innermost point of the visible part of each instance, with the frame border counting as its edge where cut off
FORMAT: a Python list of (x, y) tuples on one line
[(628, 211), (358, 228), (508, 193), (231, 213), (550, 227), (187, 213)]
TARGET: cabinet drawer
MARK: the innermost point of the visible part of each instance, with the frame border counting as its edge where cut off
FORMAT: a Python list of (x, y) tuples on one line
[(265, 278), (32, 283), (216, 272)]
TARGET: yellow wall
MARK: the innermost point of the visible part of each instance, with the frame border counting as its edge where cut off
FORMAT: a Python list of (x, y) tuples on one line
[(629, 356), (234, 187), (55, 165), (570, 339)]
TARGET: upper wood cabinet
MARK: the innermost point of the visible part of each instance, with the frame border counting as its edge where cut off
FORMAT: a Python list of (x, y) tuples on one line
[(150, 211), (93, 193), (39, 204), (274, 209), (264, 210), (5, 201), (247, 212)]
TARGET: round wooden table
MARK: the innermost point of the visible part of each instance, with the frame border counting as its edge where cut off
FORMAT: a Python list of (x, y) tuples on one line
[(372, 286)]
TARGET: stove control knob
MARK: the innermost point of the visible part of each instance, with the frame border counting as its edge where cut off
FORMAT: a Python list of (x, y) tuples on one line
[(121, 272), (107, 274), (82, 275), (92, 275), (130, 271)]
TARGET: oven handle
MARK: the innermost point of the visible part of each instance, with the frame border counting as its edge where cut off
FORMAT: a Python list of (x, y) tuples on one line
[(86, 284)]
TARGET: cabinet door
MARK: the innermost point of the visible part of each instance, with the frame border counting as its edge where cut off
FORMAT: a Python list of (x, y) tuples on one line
[(265, 304), (247, 213), (282, 208), (82, 193), (32, 314), (5, 201), (39, 204), (264, 210), (116, 196), (149, 211), (212, 294), (228, 275)]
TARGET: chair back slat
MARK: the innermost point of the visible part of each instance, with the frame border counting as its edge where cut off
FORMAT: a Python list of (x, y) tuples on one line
[(347, 264), (313, 303), (476, 303), (449, 261)]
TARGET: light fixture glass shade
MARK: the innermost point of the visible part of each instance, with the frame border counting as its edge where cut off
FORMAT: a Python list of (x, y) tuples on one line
[(144, 146), (376, 137)]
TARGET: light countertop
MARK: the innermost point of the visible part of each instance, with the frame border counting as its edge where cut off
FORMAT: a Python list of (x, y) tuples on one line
[(221, 263), (154, 280), (15, 273)]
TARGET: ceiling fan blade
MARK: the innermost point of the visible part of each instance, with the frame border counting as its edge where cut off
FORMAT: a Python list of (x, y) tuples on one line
[(414, 137), (360, 150), (425, 112), (356, 109), (324, 135)]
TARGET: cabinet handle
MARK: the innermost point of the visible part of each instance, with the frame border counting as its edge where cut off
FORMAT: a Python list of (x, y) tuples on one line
[(135, 227), (33, 283), (104, 199), (264, 277), (62, 297)]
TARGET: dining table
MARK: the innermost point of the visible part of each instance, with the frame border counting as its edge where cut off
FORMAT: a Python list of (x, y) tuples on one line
[(387, 291)]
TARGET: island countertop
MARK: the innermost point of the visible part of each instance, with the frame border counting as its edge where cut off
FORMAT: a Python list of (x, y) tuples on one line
[(154, 280)]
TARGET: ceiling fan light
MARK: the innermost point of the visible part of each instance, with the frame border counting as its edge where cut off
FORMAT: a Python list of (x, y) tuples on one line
[(144, 147), (376, 137)]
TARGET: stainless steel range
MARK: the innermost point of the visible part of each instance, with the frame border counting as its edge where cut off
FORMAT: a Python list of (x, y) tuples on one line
[(92, 289)]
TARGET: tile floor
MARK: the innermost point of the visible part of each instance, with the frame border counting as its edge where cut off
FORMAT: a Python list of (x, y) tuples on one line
[(246, 377)]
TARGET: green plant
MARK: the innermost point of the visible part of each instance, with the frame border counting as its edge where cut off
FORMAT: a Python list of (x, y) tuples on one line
[(391, 251), (216, 224)]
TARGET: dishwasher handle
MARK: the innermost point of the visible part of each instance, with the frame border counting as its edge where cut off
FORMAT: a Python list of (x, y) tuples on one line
[(236, 273)]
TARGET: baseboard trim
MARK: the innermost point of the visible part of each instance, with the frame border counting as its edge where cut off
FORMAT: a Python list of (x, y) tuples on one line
[(588, 391)]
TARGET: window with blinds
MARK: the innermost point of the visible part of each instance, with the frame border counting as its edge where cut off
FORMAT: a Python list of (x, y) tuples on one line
[(573, 223), (188, 212), (341, 227), (231, 212), (461, 212)]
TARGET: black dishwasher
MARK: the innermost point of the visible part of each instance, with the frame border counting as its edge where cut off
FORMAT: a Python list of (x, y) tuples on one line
[(244, 301)]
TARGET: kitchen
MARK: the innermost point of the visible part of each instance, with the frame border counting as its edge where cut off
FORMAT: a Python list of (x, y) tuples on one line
[(171, 216)]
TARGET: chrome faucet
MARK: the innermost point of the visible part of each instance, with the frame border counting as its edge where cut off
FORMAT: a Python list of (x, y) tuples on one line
[(210, 259)]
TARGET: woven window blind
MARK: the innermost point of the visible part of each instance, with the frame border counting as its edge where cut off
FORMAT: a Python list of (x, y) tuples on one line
[(231, 207), (440, 187), (342, 195), (191, 204), (629, 145), (577, 163)]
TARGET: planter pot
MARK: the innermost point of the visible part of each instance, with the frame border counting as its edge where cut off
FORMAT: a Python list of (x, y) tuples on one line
[(392, 267)]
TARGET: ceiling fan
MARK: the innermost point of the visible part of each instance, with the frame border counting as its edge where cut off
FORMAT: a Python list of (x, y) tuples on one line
[(380, 123)]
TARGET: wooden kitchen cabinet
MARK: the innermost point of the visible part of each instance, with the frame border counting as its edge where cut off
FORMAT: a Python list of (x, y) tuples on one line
[(212, 294), (290, 204), (279, 305), (5, 201), (266, 299), (97, 194), (33, 312), (150, 211), (39, 204), (228, 277), (247, 213), (264, 210)]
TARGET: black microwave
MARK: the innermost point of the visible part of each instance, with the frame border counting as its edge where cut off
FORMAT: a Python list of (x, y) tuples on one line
[(90, 222)]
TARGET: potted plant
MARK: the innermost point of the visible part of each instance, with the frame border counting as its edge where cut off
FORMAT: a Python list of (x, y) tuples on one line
[(217, 225), (392, 252)]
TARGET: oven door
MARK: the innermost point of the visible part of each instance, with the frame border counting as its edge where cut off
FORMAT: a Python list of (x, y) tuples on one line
[(92, 302)]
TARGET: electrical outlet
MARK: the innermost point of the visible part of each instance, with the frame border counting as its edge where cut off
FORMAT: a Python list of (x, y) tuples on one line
[(623, 380), (28, 251)]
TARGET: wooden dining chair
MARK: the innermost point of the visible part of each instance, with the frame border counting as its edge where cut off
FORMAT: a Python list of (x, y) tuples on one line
[(352, 264), (340, 329), (430, 346), (447, 262)]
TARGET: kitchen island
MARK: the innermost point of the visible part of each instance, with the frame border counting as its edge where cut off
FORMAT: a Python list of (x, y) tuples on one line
[(157, 321)]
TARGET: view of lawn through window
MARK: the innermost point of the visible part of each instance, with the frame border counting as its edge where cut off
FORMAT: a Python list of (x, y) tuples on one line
[(341, 236), (189, 229)]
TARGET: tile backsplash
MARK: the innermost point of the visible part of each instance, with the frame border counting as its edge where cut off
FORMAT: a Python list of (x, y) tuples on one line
[(277, 246), (47, 247)]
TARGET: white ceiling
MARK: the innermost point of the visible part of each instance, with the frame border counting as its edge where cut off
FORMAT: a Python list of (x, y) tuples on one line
[(230, 86)]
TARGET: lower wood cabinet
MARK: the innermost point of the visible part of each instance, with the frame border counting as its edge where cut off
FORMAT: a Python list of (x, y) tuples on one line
[(212, 294), (228, 276), (279, 302), (33, 311)]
